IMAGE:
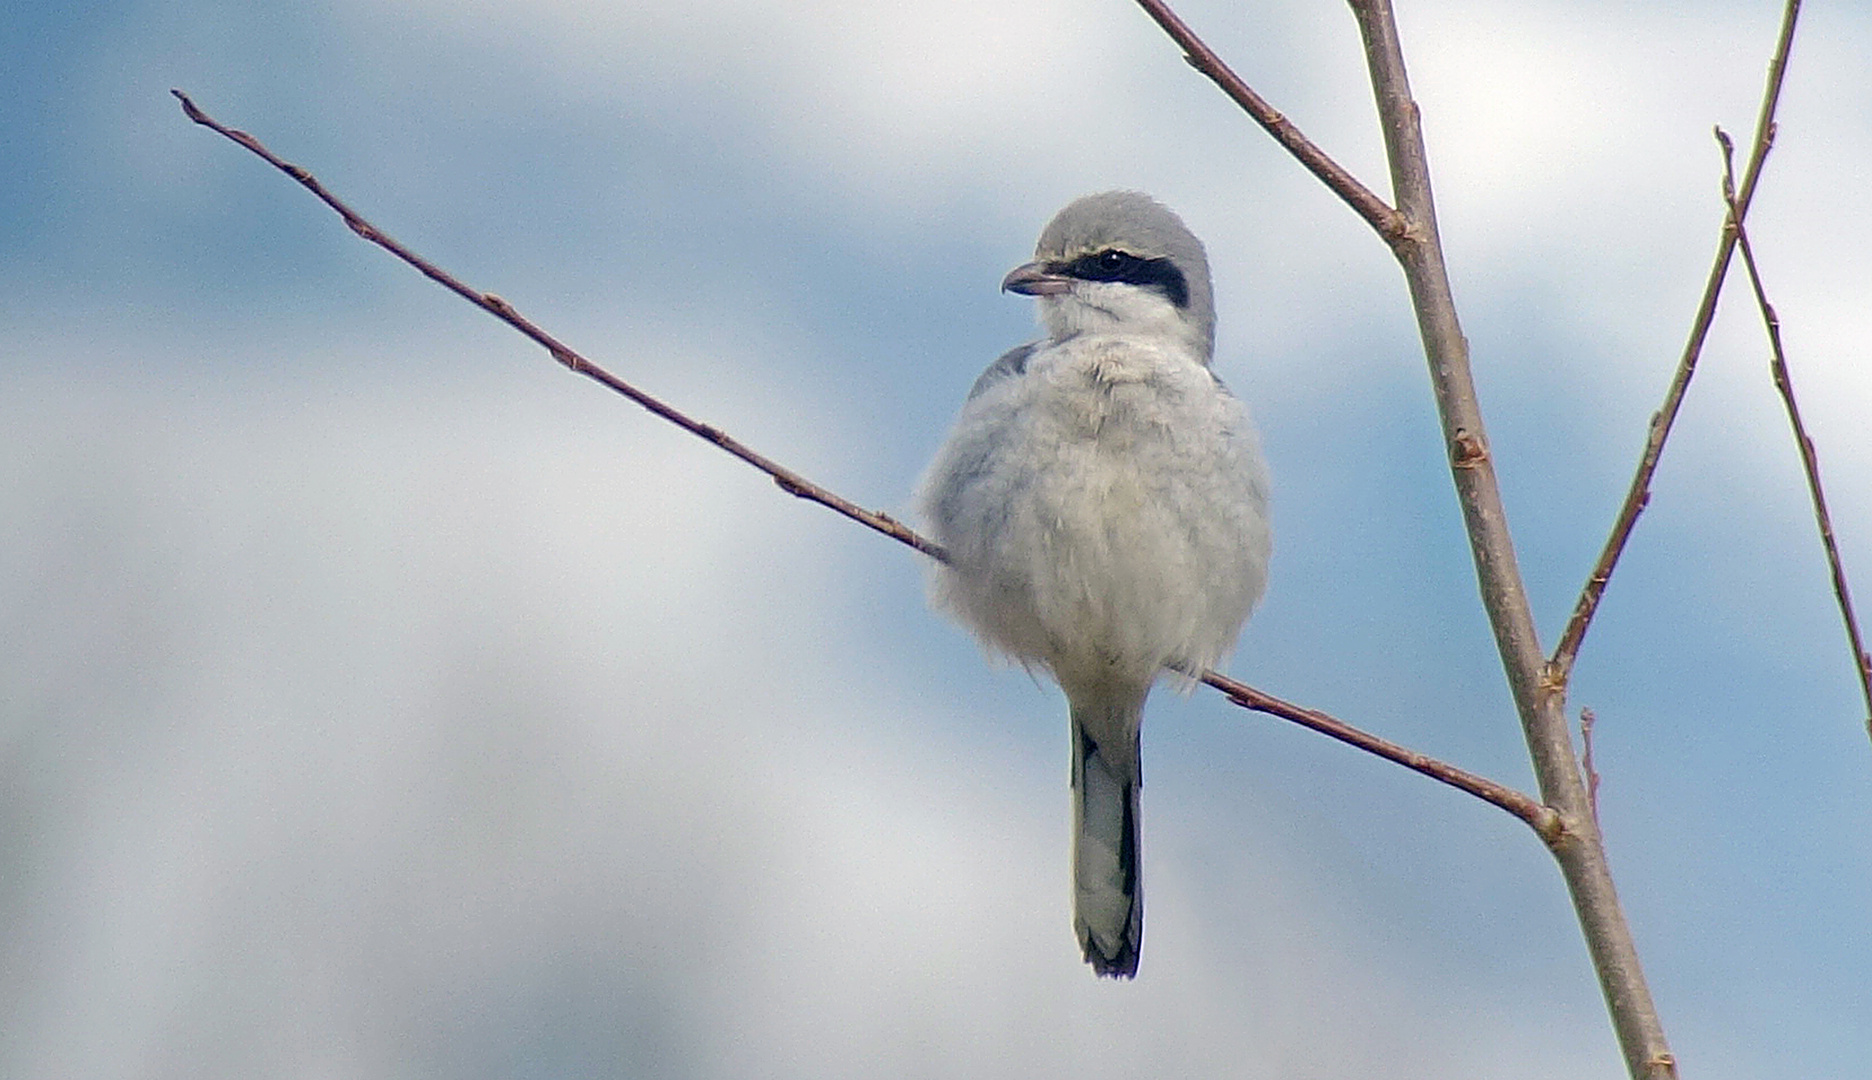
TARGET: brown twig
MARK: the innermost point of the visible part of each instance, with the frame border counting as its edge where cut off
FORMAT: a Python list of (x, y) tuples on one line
[(1810, 461), (1586, 721), (1560, 666), (1543, 819), (1389, 223), (788, 480)]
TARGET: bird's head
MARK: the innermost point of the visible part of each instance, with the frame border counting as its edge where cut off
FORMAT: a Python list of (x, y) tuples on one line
[(1120, 261)]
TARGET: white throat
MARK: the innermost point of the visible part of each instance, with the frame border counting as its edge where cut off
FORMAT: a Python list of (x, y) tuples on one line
[(1102, 307)]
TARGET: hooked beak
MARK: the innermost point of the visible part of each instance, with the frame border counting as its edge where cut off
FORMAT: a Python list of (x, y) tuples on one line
[(1033, 279)]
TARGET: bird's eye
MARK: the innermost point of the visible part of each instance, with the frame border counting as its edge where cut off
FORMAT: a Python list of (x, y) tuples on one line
[(1115, 260)]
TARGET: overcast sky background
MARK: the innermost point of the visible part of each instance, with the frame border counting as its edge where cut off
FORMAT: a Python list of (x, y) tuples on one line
[(377, 700)]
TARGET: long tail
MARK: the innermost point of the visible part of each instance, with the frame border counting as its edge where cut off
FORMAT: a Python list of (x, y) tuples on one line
[(1108, 901)]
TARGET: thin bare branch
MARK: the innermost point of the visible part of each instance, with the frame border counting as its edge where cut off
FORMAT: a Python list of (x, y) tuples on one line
[(788, 480), (1544, 820), (1810, 461), (1576, 846), (1388, 222), (1541, 818), (1560, 667)]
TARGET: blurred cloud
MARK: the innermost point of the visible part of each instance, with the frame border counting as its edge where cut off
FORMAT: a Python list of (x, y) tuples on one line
[(376, 700)]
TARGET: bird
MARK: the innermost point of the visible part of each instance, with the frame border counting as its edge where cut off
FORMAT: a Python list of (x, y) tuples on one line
[(1102, 502)]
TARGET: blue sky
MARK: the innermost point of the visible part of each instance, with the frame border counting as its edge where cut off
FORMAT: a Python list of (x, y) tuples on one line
[(378, 700)]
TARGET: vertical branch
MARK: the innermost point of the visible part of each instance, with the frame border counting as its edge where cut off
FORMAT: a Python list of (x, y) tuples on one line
[(1577, 845), (1810, 461)]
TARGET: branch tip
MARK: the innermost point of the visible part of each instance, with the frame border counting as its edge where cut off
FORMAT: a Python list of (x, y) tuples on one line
[(1783, 381), (558, 350), (1587, 719)]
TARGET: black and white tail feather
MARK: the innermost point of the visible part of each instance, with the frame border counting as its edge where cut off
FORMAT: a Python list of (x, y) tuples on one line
[(1108, 906)]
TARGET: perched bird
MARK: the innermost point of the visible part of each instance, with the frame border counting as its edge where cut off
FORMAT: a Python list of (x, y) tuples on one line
[(1103, 502)]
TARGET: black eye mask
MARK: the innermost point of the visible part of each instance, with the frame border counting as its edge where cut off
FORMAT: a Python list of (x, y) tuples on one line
[(1122, 266)]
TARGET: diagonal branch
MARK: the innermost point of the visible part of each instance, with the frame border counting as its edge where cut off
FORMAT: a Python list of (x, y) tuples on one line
[(1389, 223), (788, 480), (1541, 818), (1560, 666), (1810, 462)]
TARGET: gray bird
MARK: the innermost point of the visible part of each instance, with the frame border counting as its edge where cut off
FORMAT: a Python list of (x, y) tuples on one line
[(1103, 501)]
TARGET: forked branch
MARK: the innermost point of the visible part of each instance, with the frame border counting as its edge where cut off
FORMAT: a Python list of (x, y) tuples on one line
[(1389, 223), (1560, 666), (1577, 848)]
